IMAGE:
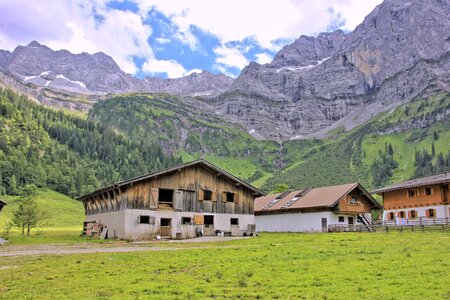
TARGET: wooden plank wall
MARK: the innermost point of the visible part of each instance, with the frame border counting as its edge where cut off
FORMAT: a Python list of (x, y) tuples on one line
[(191, 181)]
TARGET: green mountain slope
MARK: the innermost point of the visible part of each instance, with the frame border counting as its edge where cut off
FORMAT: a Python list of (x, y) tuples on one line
[(134, 134), (408, 129), (66, 153), (62, 210), (187, 131)]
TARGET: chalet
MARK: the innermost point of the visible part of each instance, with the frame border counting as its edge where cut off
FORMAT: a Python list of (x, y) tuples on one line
[(2, 203), (180, 202), (315, 209), (418, 200)]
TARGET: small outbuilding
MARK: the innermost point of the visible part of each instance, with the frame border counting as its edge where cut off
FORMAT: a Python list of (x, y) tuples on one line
[(196, 198), (320, 209)]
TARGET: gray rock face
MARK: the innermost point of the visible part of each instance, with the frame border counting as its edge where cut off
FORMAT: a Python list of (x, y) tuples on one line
[(4, 57), (400, 51), (195, 84), (96, 74)]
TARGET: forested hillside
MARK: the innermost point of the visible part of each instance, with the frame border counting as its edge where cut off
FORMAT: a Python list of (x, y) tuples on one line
[(134, 134), (47, 148)]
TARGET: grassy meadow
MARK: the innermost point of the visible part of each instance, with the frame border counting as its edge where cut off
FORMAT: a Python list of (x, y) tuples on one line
[(63, 225), (396, 265)]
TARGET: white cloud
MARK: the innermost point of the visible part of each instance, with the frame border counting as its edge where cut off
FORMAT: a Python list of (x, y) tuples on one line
[(263, 58), (265, 21), (230, 57), (169, 67), (78, 26), (162, 41)]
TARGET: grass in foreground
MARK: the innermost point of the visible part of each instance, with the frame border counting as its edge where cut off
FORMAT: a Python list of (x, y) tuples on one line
[(297, 266)]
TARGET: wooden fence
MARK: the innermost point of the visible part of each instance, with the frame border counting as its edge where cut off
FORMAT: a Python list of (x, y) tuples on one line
[(437, 224)]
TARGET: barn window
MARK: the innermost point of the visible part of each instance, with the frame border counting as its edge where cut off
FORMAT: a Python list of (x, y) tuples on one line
[(165, 197), (166, 222), (411, 193), (413, 214), (208, 220), (341, 219), (146, 220), (234, 221), (428, 191), (207, 194), (401, 214), (229, 197), (186, 220)]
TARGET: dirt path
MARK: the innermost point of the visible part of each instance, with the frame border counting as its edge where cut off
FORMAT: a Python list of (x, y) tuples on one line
[(29, 250)]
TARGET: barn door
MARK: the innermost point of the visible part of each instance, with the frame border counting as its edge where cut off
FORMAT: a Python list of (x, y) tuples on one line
[(154, 198), (178, 199)]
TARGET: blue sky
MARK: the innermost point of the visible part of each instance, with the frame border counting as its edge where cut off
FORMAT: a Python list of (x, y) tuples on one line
[(173, 38)]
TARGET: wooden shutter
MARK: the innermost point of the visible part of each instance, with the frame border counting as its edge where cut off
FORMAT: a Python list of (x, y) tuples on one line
[(409, 214), (199, 219), (178, 200), (213, 196), (201, 195), (427, 213), (434, 213), (236, 198), (154, 198), (224, 197)]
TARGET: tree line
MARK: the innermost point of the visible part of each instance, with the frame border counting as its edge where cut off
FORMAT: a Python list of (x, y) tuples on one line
[(43, 147)]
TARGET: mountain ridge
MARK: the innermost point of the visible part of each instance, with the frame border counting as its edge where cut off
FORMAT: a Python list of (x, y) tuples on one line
[(399, 53)]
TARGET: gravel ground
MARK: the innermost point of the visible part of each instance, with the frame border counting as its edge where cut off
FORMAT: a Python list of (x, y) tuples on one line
[(119, 246)]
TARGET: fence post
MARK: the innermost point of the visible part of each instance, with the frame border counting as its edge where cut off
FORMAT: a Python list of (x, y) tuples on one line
[(387, 228)]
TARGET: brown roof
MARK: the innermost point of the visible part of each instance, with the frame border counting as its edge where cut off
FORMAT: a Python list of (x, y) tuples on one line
[(172, 169), (327, 196), (434, 179)]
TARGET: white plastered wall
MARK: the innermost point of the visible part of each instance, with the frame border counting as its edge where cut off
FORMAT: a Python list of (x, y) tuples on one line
[(299, 222), (114, 221), (442, 211), (134, 230)]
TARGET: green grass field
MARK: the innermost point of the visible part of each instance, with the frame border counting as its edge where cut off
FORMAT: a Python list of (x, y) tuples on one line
[(407, 265), (63, 211)]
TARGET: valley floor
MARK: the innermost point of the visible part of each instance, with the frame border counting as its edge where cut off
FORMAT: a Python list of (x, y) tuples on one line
[(395, 265)]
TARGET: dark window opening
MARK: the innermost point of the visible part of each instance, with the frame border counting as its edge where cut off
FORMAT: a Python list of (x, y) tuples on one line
[(166, 222), (186, 221), (165, 197), (230, 197), (428, 191), (432, 213), (401, 214), (341, 219), (207, 195), (413, 214), (411, 193), (144, 219), (234, 221), (391, 216), (209, 220)]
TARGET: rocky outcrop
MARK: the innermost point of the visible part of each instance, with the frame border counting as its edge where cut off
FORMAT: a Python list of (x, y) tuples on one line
[(195, 84), (400, 51)]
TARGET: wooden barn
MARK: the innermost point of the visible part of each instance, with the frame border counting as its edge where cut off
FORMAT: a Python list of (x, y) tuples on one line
[(422, 200), (2, 203), (331, 208), (180, 202)]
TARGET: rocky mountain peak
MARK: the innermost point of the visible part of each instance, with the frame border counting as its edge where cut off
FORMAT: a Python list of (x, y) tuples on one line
[(401, 51)]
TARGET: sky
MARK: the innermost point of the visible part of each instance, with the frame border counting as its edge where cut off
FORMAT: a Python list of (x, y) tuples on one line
[(174, 38)]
